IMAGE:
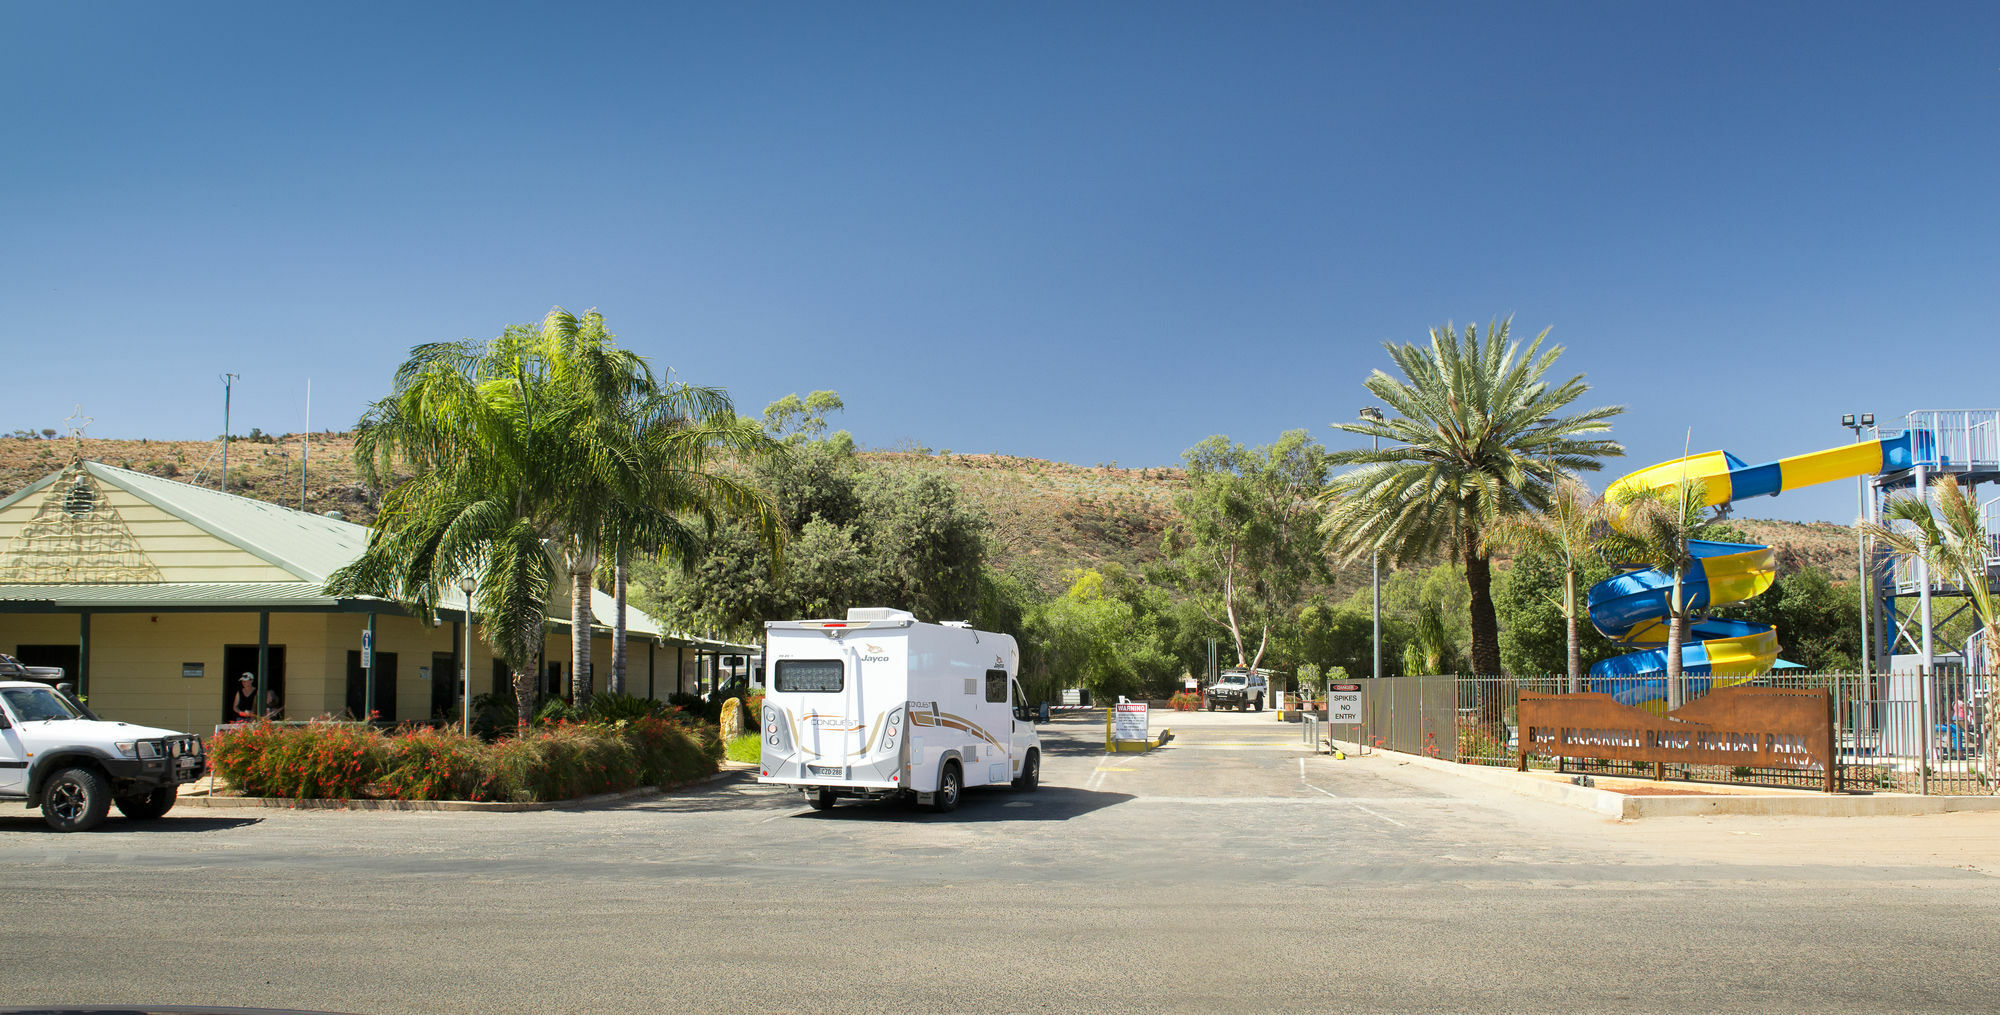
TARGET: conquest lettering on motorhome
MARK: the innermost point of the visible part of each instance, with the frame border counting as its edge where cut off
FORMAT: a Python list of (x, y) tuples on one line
[(880, 705)]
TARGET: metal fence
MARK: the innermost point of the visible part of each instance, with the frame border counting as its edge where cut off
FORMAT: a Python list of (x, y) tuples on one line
[(1880, 728)]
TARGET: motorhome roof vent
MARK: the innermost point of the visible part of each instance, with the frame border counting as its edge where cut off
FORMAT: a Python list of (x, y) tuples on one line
[(878, 613)]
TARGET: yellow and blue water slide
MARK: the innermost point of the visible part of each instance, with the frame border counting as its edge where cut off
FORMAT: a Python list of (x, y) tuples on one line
[(1632, 607)]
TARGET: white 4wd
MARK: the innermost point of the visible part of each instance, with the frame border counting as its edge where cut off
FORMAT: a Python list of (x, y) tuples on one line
[(56, 755), (1238, 689)]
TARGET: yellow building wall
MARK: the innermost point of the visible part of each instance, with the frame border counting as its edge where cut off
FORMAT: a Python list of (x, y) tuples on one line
[(181, 551), (136, 661)]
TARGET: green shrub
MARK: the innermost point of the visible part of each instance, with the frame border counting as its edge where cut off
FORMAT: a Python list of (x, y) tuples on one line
[(607, 707), (556, 710), (746, 748)]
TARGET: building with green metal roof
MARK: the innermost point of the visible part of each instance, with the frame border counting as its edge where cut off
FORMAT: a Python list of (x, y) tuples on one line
[(155, 594)]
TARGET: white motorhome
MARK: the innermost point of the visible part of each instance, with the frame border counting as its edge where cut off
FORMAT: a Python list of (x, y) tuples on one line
[(880, 704)]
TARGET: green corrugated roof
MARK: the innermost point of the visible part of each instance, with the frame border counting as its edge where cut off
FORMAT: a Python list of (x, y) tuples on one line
[(305, 544), (308, 545)]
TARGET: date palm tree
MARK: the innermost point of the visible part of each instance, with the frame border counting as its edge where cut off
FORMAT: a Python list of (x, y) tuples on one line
[(1476, 435), (1569, 529)]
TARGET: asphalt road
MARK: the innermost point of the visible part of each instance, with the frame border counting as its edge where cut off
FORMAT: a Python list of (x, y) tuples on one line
[(1228, 872)]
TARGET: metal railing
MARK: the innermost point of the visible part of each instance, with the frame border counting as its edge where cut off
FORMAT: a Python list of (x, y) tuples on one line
[(1879, 736)]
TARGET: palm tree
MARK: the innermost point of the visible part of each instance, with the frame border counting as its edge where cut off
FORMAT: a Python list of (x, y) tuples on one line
[(477, 425), (1658, 529), (1569, 529), (605, 468), (684, 432), (1950, 540), (1429, 650), (1476, 438), (642, 473)]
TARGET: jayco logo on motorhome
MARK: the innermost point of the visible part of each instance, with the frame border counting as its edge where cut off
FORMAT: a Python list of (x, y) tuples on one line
[(874, 654)]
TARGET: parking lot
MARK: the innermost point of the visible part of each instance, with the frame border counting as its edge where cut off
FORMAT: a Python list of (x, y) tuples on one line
[(1229, 871)]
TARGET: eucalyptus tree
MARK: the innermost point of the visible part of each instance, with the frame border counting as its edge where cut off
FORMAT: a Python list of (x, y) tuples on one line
[(1569, 529), (1246, 541), (1658, 528), (1476, 434)]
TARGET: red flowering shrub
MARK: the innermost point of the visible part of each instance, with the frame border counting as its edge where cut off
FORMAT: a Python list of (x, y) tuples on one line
[(315, 761), (1186, 701), (428, 764), (560, 761)]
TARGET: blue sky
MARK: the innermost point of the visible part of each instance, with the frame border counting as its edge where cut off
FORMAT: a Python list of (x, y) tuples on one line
[(1088, 232)]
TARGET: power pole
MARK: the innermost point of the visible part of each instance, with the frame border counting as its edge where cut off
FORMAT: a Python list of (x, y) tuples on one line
[(226, 381), (305, 444)]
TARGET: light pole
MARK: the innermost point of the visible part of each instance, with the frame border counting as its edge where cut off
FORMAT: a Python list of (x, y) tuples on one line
[(1861, 538), (1373, 414), (466, 585)]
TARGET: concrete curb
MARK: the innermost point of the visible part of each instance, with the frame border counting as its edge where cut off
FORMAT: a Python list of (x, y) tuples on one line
[(1756, 803), (491, 806)]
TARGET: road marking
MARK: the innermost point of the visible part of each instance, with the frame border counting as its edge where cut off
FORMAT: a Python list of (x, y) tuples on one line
[(1309, 801), (1384, 817), (1310, 786)]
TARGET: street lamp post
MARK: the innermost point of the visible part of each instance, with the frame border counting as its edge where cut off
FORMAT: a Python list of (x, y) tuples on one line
[(466, 585), (1373, 414), (1861, 538)]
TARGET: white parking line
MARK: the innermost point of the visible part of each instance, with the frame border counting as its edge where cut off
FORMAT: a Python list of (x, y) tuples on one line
[(1384, 817)]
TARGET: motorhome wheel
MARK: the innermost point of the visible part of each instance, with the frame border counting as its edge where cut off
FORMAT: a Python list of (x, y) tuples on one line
[(950, 782)]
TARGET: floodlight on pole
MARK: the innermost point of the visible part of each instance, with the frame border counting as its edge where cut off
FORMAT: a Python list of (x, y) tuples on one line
[(1373, 414), (1861, 538), (466, 585)]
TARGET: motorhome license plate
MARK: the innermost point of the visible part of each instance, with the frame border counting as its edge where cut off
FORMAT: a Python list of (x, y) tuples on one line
[(822, 770)]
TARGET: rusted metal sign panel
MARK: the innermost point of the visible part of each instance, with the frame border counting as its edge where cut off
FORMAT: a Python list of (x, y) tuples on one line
[(1757, 727)]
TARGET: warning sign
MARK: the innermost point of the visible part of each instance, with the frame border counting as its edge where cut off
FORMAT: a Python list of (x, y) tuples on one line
[(1344, 702), (1131, 724)]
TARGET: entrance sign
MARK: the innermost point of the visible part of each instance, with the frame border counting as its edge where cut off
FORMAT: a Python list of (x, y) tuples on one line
[(1753, 727), (1343, 703), (1131, 721)]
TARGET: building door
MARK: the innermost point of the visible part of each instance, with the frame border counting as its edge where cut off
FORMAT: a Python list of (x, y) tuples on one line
[(240, 659), (385, 687), (69, 657), (445, 683)]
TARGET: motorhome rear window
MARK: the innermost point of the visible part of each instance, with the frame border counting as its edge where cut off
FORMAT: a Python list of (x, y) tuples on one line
[(809, 674)]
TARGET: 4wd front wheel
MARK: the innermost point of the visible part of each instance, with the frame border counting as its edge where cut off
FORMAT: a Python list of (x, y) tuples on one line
[(147, 806), (75, 800)]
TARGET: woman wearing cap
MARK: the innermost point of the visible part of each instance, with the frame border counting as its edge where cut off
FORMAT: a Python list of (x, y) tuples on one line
[(243, 707)]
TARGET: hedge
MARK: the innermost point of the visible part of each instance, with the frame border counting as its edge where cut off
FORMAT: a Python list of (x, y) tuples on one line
[(344, 761)]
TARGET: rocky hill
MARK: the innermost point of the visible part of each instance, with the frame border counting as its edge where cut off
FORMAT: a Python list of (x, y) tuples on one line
[(1046, 516)]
